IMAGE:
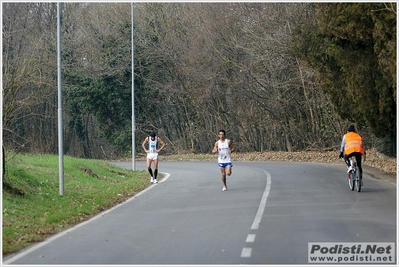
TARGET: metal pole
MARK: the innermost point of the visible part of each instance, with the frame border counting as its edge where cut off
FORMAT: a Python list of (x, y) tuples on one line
[(60, 130), (133, 122)]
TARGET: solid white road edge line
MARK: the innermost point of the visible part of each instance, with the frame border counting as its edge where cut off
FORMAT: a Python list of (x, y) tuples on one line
[(21, 254)]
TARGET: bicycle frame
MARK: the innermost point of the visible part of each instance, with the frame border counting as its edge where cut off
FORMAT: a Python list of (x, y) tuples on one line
[(353, 178)]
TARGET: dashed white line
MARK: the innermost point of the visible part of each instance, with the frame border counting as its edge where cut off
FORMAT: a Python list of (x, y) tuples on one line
[(246, 252), (250, 238)]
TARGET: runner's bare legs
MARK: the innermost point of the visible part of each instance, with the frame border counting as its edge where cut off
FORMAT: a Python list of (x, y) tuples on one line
[(223, 176), (155, 173), (226, 171), (229, 170)]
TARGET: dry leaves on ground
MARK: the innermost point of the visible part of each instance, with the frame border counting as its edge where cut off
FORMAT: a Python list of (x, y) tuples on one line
[(372, 158)]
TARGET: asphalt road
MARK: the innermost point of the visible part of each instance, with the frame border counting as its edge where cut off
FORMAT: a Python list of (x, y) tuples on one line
[(268, 215)]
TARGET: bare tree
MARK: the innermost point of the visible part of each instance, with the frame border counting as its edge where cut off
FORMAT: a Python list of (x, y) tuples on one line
[(28, 80), (199, 67)]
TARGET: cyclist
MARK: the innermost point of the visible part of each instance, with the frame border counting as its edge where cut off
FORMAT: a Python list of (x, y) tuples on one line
[(352, 145)]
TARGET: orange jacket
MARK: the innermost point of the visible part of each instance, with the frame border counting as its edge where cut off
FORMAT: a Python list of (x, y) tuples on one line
[(353, 143)]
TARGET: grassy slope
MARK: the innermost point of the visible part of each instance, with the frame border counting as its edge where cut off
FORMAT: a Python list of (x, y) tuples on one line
[(41, 211)]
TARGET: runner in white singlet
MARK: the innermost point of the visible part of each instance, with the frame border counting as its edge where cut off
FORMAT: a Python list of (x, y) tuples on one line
[(151, 147), (224, 147)]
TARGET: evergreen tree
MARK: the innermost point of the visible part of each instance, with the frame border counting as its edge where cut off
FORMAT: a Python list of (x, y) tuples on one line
[(353, 48)]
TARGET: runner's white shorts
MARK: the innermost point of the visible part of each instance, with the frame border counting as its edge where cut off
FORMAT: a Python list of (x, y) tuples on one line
[(152, 156)]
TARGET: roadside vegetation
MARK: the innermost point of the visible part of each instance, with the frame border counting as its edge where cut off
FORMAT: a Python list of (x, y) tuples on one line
[(275, 76), (33, 208)]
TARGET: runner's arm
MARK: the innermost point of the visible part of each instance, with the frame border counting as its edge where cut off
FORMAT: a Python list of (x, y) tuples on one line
[(163, 144), (144, 143), (231, 146), (215, 148)]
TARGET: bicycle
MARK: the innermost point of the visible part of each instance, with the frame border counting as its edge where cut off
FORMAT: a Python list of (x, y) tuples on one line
[(353, 177)]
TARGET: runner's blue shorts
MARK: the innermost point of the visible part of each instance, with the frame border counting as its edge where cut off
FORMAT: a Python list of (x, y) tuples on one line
[(224, 165)]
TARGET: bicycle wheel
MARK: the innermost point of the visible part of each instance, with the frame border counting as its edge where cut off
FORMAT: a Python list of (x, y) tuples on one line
[(358, 182), (351, 182)]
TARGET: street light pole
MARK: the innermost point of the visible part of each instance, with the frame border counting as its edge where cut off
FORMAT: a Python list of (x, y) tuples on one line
[(133, 122), (60, 130)]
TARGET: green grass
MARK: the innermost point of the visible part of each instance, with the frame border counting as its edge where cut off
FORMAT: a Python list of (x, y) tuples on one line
[(41, 211)]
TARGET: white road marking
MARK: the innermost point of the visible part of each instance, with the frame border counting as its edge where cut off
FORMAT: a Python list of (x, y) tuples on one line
[(246, 252), (250, 238), (262, 205), (19, 255)]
